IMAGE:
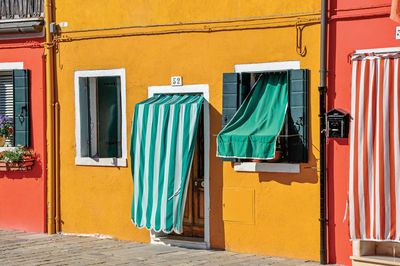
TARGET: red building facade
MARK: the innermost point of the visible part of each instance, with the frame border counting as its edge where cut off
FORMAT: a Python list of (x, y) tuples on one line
[(353, 25), (23, 192)]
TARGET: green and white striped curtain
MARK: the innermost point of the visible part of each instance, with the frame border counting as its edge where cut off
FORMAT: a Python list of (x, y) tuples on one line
[(163, 139)]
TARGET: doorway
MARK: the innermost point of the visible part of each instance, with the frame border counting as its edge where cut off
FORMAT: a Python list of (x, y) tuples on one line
[(196, 217), (193, 220)]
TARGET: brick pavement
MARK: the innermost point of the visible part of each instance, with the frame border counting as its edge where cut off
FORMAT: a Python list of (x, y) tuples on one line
[(22, 248)]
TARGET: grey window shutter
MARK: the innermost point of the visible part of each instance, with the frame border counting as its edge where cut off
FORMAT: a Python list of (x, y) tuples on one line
[(22, 110), (298, 116)]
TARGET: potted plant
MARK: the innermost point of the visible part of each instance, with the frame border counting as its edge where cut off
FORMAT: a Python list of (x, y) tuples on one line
[(6, 129), (278, 152), (277, 155), (18, 159)]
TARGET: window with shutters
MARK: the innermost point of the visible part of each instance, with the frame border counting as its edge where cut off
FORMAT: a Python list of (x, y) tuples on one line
[(100, 117), (292, 141), (7, 99), (15, 104)]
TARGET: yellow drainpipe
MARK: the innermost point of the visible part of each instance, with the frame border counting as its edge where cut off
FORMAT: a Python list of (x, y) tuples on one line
[(57, 164), (51, 229)]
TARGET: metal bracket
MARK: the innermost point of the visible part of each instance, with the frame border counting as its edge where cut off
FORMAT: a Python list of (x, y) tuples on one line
[(21, 116), (53, 28), (299, 40)]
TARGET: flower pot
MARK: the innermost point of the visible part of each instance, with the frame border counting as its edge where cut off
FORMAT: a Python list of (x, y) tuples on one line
[(277, 157), (3, 166), (27, 164), (23, 165), (13, 166)]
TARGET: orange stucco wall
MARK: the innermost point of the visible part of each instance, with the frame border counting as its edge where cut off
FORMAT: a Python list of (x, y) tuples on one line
[(23, 194), (283, 208)]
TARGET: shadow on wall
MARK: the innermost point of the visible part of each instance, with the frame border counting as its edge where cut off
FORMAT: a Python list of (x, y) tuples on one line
[(217, 232), (308, 174), (308, 171)]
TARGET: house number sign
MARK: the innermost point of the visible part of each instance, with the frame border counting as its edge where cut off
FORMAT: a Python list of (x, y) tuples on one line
[(176, 81)]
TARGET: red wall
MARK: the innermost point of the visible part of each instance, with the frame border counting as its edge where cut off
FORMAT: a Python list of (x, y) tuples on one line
[(23, 194), (353, 25)]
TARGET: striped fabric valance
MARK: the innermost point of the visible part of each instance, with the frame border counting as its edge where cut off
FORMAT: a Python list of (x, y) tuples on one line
[(164, 134), (374, 188)]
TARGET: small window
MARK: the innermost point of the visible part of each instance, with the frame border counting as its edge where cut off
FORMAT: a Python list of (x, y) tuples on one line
[(100, 104), (292, 140), (15, 107), (100, 117)]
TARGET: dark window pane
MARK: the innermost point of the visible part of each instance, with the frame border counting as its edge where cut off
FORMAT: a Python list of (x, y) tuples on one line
[(109, 117)]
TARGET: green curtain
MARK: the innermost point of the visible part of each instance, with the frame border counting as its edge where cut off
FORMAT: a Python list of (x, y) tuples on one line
[(253, 130), (163, 139)]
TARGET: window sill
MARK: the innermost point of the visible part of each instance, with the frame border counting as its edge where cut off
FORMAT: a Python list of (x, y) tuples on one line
[(267, 167), (7, 149), (119, 162)]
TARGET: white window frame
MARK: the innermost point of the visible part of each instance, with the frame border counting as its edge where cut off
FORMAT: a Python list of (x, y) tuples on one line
[(79, 160), (204, 90), (267, 167), (8, 67), (11, 65)]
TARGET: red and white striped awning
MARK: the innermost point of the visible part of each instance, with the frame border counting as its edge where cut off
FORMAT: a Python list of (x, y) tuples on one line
[(374, 188)]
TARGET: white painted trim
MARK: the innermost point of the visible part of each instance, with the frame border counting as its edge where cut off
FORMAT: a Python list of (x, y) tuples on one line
[(178, 243), (11, 65), (271, 66), (199, 88), (204, 89), (267, 167), (378, 51), (120, 162), (8, 66)]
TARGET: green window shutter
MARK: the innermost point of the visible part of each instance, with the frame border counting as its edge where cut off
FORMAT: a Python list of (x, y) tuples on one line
[(84, 115), (236, 86), (230, 89), (21, 117), (298, 116)]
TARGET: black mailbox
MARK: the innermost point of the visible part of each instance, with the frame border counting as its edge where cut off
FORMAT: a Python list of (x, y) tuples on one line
[(337, 124)]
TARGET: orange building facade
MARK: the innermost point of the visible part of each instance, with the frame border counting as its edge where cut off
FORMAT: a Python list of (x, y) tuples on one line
[(245, 207)]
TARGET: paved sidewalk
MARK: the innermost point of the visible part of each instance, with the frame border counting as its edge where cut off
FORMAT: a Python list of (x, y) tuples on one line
[(22, 248)]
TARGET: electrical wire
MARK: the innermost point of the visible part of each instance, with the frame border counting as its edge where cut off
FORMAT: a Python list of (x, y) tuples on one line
[(199, 22), (205, 29)]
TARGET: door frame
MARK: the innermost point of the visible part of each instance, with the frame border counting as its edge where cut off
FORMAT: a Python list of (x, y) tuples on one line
[(203, 89)]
